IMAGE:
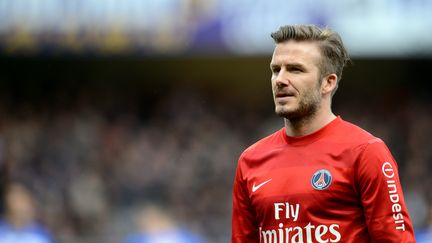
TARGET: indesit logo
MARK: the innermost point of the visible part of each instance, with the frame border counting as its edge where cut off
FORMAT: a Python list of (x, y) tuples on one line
[(387, 170), (398, 218)]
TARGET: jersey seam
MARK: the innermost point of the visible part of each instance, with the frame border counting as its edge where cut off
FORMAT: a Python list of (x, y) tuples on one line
[(356, 168)]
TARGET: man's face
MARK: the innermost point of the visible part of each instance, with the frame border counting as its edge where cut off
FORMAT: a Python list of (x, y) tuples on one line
[(295, 79)]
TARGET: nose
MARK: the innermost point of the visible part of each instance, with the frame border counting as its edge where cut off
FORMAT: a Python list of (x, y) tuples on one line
[(281, 79)]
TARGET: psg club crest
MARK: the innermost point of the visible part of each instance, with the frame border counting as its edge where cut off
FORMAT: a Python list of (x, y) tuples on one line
[(321, 179)]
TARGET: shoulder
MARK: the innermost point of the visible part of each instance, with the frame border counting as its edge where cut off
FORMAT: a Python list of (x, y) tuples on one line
[(41, 231), (265, 144), (353, 140), (136, 238), (351, 132), (372, 152), (3, 226)]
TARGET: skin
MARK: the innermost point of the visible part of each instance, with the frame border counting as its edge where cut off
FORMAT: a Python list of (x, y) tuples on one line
[(301, 95), (19, 206)]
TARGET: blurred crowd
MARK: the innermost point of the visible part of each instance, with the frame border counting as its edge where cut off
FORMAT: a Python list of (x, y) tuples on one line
[(136, 27), (165, 175)]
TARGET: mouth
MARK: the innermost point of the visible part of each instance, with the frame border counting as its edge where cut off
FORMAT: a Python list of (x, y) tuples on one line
[(284, 95)]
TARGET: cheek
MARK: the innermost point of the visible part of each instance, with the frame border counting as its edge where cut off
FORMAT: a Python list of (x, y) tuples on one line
[(273, 85), (312, 84)]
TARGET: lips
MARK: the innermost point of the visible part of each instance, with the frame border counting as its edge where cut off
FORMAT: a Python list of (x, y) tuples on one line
[(284, 94)]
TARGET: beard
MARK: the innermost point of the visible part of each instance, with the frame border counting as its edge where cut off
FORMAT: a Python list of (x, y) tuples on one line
[(308, 104)]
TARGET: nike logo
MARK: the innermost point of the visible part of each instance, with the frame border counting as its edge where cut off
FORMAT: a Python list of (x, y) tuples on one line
[(256, 187)]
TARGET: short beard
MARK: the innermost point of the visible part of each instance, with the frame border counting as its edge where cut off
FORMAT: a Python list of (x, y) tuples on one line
[(308, 106)]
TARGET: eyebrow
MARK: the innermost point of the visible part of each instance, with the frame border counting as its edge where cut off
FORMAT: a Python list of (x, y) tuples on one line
[(289, 65)]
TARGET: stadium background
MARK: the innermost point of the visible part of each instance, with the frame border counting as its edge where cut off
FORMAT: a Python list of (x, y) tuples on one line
[(108, 108)]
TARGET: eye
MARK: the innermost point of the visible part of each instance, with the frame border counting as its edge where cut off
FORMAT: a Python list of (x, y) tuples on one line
[(275, 70), (295, 70)]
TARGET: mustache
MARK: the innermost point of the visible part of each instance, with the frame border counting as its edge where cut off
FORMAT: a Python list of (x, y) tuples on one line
[(280, 92)]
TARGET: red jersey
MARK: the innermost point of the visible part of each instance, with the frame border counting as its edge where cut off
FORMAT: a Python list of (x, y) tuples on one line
[(339, 184)]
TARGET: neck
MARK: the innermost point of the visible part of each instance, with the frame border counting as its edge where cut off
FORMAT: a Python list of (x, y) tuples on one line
[(309, 124), (17, 221)]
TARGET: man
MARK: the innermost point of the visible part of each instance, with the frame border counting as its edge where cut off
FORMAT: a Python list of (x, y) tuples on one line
[(320, 178), (19, 222)]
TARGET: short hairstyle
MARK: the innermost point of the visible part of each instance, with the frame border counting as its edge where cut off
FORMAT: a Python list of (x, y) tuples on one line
[(335, 56)]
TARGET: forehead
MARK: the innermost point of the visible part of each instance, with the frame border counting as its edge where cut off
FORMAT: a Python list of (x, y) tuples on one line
[(304, 52)]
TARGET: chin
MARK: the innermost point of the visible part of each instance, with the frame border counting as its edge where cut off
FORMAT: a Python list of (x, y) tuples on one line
[(293, 113), (284, 112)]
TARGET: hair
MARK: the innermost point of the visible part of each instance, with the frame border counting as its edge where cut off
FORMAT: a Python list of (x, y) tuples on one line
[(335, 56)]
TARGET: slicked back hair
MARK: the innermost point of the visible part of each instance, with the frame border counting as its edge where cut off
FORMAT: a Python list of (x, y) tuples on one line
[(333, 51)]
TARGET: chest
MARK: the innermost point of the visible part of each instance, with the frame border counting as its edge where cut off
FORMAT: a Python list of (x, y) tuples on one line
[(288, 180)]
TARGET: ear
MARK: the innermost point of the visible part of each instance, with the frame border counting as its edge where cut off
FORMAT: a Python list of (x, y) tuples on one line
[(329, 83)]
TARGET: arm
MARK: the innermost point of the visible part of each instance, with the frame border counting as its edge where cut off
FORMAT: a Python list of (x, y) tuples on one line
[(381, 195), (244, 225)]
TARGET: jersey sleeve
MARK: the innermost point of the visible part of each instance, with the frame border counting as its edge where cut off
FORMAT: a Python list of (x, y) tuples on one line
[(244, 225), (381, 195)]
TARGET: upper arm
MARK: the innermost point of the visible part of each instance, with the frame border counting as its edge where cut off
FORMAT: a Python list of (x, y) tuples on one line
[(381, 195), (244, 225)]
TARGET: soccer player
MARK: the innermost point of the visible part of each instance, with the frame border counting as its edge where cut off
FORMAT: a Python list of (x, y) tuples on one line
[(319, 178)]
